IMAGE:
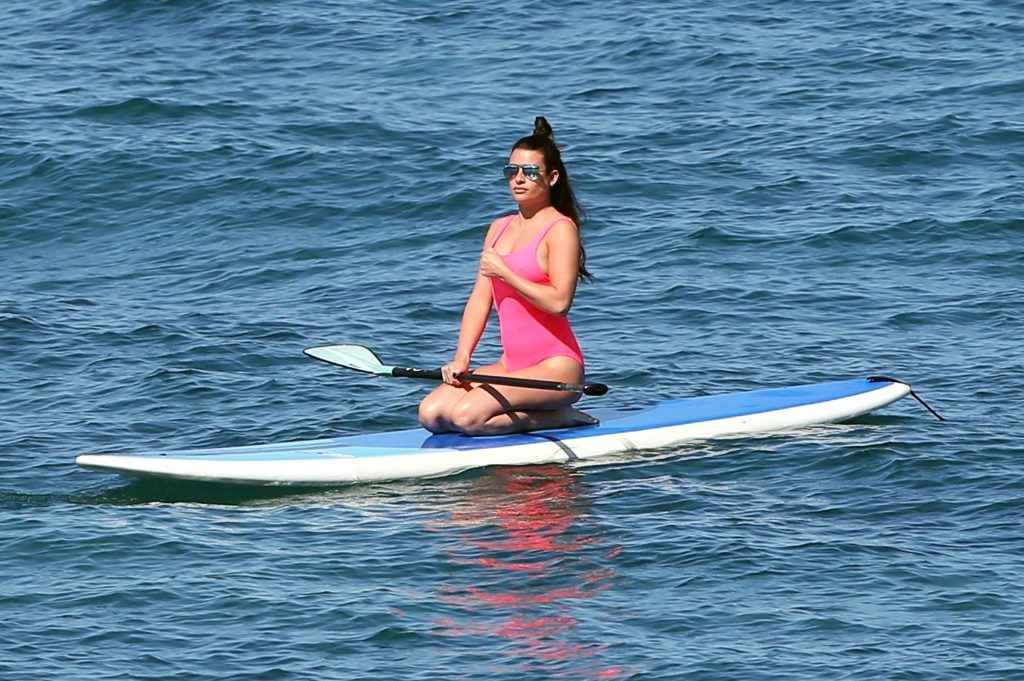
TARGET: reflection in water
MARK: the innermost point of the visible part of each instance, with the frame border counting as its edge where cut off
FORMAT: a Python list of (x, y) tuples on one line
[(528, 559)]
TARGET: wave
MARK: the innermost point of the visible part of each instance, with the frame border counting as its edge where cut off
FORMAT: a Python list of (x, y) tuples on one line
[(1013, 86), (134, 9), (441, 18), (145, 110), (882, 156), (602, 93), (19, 323), (915, 232), (1000, 134), (723, 235), (343, 130), (145, 492), (991, 311)]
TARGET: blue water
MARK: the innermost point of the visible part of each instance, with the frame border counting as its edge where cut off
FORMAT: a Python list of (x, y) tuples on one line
[(193, 191)]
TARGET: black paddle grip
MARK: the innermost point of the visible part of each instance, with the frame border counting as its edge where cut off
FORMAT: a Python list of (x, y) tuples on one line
[(431, 374), (435, 374)]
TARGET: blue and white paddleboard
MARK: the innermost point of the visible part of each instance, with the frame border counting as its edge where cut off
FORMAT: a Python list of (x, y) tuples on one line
[(416, 453)]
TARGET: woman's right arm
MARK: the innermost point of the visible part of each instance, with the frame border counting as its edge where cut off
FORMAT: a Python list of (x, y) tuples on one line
[(474, 317)]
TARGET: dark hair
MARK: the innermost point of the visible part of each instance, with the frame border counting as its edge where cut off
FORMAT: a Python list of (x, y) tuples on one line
[(562, 196)]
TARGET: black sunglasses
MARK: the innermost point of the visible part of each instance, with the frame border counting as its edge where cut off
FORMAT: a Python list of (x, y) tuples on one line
[(532, 172)]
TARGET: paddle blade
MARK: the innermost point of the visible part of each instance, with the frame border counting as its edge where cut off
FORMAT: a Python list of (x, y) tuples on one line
[(356, 357)]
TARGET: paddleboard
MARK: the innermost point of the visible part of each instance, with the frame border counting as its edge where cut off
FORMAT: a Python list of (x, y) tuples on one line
[(416, 453)]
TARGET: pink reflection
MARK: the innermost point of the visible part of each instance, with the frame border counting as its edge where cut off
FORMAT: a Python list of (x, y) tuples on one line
[(538, 568)]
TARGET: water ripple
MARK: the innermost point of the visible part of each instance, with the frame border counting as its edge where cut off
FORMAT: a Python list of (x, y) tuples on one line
[(195, 190)]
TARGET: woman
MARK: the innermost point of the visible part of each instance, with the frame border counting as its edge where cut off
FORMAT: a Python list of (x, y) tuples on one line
[(529, 266)]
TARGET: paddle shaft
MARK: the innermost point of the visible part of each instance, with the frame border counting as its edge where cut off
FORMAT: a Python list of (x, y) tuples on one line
[(435, 374)]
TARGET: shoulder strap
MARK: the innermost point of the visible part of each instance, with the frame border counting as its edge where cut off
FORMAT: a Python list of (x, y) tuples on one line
[(544, 232), (508, 222)]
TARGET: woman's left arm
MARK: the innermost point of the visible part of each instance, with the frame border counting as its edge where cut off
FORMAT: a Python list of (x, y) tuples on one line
[(563, 262)]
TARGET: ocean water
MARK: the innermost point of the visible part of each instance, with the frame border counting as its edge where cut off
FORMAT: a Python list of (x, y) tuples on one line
[(192, 191)]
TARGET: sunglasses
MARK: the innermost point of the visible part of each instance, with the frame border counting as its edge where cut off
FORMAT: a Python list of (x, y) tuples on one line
[(532, 172)]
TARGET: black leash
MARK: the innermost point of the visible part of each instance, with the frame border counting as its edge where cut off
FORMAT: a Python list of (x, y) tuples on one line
[(881, 379)]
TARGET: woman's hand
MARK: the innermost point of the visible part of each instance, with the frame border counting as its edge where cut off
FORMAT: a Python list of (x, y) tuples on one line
[(492, 264), (451, 370)]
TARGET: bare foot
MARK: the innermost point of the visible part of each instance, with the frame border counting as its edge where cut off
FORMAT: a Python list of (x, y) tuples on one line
[(575, 417)]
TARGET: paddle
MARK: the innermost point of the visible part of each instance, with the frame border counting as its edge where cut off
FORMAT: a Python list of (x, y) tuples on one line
[(364, 359)]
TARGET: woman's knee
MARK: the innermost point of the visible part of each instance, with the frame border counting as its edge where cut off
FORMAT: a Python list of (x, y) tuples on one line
[(468, 418), (433, 415)]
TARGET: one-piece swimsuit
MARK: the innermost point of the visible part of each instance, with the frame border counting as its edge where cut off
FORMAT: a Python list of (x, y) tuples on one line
[(530, 335)]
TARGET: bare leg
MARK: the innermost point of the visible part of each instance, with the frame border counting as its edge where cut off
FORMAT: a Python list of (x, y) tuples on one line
[(493, 410), (537, 419), (435, 413), (435, 409)]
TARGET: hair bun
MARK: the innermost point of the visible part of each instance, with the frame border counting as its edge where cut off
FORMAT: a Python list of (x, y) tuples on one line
[(541, 128)]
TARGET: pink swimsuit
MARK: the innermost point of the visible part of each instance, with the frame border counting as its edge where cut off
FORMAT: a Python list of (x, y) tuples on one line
[(529, 335)]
